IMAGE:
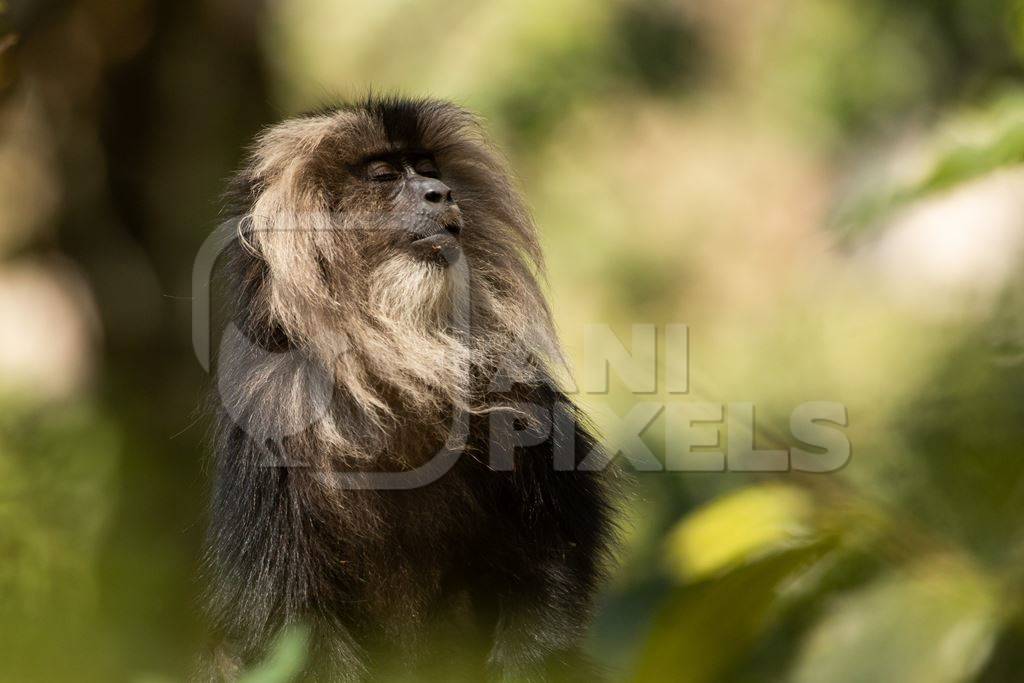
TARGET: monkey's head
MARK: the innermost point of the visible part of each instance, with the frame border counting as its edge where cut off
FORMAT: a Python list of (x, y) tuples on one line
[(386, 239), (398, 194)]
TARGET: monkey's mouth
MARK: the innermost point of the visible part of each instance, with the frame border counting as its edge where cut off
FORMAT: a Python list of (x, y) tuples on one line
[(441, 248)]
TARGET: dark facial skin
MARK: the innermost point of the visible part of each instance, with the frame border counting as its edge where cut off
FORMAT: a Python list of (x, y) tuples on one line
[(409, 188)]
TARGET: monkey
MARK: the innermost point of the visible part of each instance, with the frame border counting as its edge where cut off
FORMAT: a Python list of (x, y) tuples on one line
[(397, 465)]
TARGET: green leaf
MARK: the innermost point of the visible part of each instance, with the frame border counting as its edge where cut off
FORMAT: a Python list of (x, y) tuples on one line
[(285, 661), (705, 628), (935, 625), (1000, 144), (737, 527)]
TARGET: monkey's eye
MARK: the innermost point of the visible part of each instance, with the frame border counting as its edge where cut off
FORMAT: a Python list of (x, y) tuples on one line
[(427, 167), (381, 171)]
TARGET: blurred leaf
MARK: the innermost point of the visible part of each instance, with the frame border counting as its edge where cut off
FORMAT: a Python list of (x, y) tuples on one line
[(285, 661), (738, 527), (967, 162), (1002, 146), (932, 627), (704, 628)]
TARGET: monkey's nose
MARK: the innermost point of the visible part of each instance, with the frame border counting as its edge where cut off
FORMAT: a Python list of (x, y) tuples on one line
[(435, 192)]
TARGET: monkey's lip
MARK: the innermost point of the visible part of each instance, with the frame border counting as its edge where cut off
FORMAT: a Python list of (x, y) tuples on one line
[(442, 248)]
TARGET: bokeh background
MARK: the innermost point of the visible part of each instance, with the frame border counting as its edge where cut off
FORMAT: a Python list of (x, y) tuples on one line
[(830, 193)]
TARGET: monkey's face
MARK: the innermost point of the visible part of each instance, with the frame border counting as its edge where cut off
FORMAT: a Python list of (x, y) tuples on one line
[(394, 222), (403, 195)]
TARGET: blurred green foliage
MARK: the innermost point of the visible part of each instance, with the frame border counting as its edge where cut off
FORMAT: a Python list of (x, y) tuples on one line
[(285, 661), (826, 191)]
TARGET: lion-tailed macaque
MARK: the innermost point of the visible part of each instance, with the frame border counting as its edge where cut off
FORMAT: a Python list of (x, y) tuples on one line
[(396, 466)]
